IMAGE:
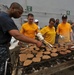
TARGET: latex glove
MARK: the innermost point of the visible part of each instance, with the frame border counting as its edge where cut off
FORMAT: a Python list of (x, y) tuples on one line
[(40, 37), (62, 37)]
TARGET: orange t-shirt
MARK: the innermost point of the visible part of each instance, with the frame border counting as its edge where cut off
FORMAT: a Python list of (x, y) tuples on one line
[(64, 30), (29, 30), (49, 34)]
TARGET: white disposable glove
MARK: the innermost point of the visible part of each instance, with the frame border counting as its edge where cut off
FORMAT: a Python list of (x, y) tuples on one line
[(62, 37), (40, 37)]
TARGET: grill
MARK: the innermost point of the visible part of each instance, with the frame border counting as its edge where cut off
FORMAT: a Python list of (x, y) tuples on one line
[(47, 67)]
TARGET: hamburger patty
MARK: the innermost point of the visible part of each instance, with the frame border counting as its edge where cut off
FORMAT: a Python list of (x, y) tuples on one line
[(45, 57), (68, 51), (63, 53), (54, 50), (23, 57), (27, 62), (39, 55), (36, 59), (30, 55), (46, 52), (54, 54)]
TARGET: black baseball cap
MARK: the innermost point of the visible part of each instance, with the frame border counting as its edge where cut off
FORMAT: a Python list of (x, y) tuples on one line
[(64, 16)]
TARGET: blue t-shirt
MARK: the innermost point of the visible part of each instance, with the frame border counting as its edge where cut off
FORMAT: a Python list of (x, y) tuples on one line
[(6, 24)]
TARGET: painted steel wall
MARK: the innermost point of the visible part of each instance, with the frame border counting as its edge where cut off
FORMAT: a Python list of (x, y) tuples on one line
[(45, 9)]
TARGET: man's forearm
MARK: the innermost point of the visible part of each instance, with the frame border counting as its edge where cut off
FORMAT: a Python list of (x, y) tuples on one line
[(16, 34), (25, 39)]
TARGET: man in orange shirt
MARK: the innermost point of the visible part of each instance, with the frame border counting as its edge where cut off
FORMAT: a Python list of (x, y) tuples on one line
[(29, 29), (64, 29)]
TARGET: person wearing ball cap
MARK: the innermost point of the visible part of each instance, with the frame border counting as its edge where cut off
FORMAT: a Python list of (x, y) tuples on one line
[(64, 29), (25, 20), (37, 22)]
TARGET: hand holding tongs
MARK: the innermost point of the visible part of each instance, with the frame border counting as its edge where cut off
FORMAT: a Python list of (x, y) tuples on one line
[(41, 38)]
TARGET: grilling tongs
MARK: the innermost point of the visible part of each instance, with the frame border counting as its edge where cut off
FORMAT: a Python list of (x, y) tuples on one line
[(48, 44), (40, 37)]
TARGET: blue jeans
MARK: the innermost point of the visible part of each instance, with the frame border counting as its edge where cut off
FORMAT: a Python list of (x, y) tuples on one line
[(4, 54)]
